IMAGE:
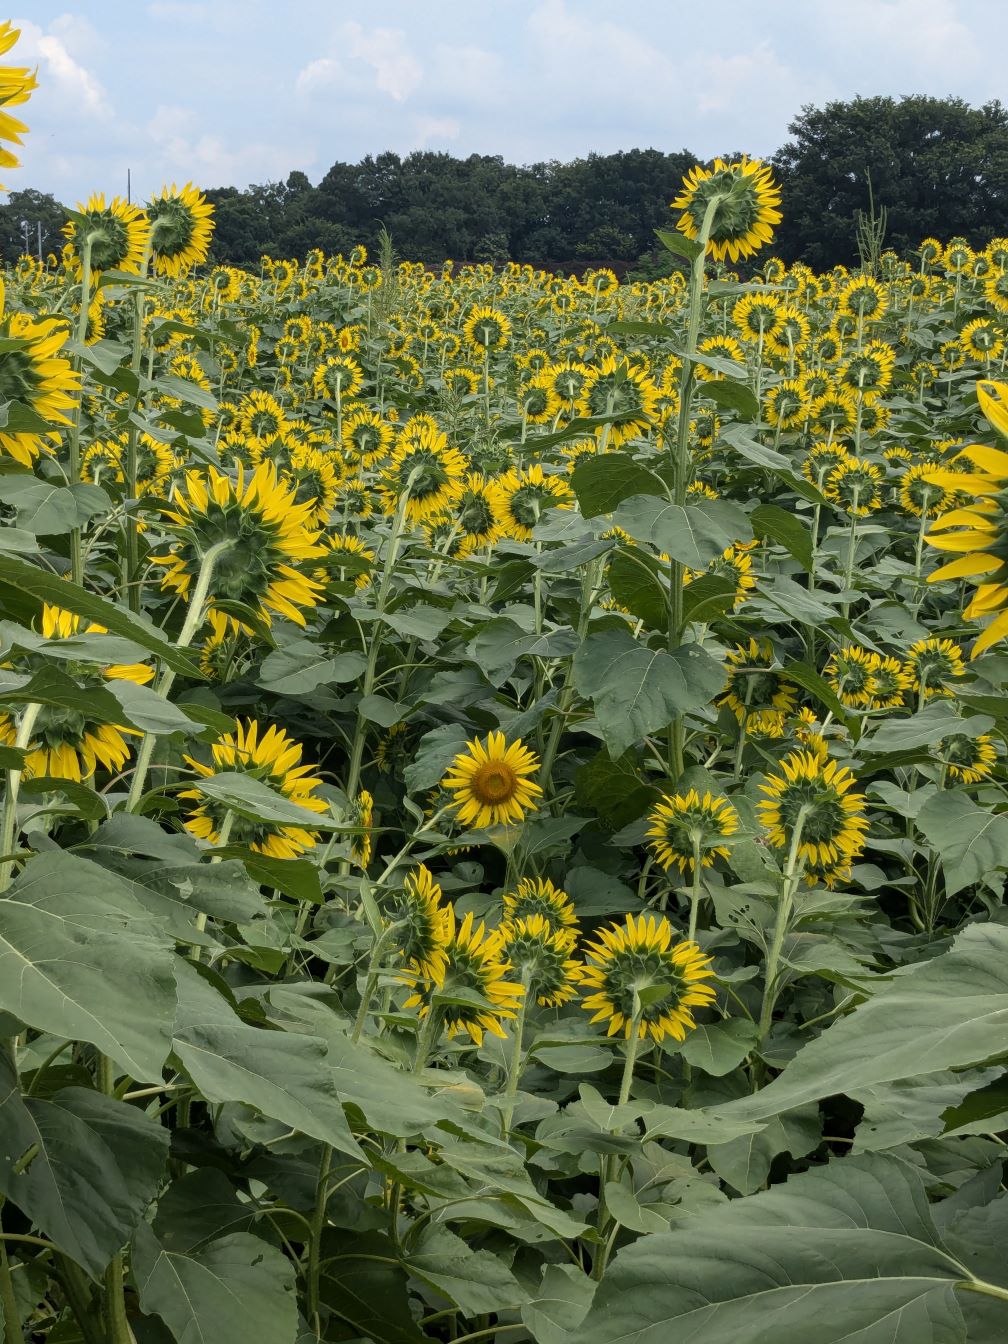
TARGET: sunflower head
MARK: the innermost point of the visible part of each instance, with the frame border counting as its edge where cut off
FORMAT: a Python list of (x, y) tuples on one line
[(424, 925), (968, 759), (744, 200), (813, 796), (637, 956), (491, 782), (684, 826), (541, 957), (115, 236), (181, 220), (932, 663), (538, 896)]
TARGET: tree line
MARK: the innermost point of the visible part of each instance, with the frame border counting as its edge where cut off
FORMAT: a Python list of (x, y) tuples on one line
[(937, 165)]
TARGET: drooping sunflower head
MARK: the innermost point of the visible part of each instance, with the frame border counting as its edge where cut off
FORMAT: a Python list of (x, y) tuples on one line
[(968, 759), (181, 220), (786, 404), (540, 956), (754, 684), (890, 682), (34, 375), (814, 794), (423, 925), (734, 564), (757, 315), (475, 518), (538, 896), (361, 815), (850, 671), (521, 498), (491, 782), (348, 560), (427, 471), (822, 459), (855, 486), (487, 328), (623, 391), (865, 298), (982, 339), (835, 412), (338, 378), (641, 955), (475, 966), (684, 826), (932, 663), (745, 200), (367, 438), (115, 236), (262, 534), (273, 758), (923, 494), (868, 371)]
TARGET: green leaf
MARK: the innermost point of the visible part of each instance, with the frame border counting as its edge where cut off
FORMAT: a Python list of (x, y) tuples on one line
[(719, 1047), (298, 668), (639, 582), (555, 1313), (435, 752), (97, 1165), (736, 396), (809, 679), (476, 1281), (983, 1104), (972, 842), (604, 481), (637, 691), (744, 1163), (78, 953), (381, 710), (782, 526), (679, 244), (233, 1291), (171, 386), (947, 1013), (46, 587), (297, 878), (924, 729), (838, 1254), (693, 535), (367, 1291), (143, 708), (286, 1076), (707, 597), (256, 801), (613, 789)]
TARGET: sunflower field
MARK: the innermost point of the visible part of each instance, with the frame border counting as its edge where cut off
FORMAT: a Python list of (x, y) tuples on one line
[(504, 825)]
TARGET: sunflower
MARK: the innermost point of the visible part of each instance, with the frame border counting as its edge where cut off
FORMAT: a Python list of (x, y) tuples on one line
[(850, 671), (34, 376), (982, 339), (315, 476), (890, 682), (265, 533), (930, 663), (68, 744), (424, 925), (981, 534), (438, 468), (261, 416), (17, 83), (790, 332), (753, 682), (745, 212), (367, 438), (720, 347), (640, 955), (475, 966), (822, 459), (625, 394), (734, 563), (475, 518), (785, 404), (362, 815), (969, 759), (521, 497), (491, 782), (541, 956), (855, 486), (684, 824), (487, 329), (181, 221), (757, 315), (922, 496), (338, 378), (58, 624), (818, 791), (835, 412), (355, 501), (865, 298), (869, 371), (117, 235), (537, 401), (995, 288), (275, 759), (462, 382), (348, 560), (538, 896)]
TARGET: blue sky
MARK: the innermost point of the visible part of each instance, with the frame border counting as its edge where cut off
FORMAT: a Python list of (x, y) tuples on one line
[(236, 91)]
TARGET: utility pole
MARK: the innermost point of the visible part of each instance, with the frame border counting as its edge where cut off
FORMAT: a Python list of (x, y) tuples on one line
[(129, 197), (25, 231), (40, 241)]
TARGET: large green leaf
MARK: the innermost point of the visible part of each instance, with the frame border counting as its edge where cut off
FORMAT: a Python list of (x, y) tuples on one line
[(839, 1254), (781, 525), (476, 1281), (251, 798), (636, 690), (79, 953), (286, 1076), (235, 1290), (950, 1012), (639, 582), (694, 534), (972, 842), (603, 482), (96, 1166), (46, 587)]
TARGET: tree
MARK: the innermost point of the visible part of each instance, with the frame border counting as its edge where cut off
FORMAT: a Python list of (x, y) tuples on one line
[(938, 166), (20, 219)]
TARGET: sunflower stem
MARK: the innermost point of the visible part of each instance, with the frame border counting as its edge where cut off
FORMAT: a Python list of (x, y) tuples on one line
[(12, 1316), (193, 621), (607, 1166), (76, 556), (515, 1062), (116, 1321), (697, 893), (851, 548), (378, 950), (792, 875), (315, 1244), (8, 821)]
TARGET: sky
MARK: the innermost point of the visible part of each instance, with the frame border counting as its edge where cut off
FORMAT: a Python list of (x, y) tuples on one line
[(229, 92)]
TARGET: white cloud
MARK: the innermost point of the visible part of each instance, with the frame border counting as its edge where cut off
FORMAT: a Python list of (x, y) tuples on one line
[(429, 131), (187, 152), (60, 74), (397, 71), (319, 74)]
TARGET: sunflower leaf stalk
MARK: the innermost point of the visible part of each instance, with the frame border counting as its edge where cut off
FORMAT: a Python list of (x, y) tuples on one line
[(194, 619), (785, 908)]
